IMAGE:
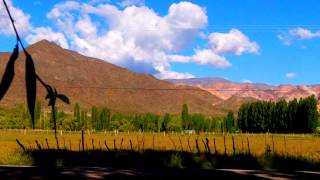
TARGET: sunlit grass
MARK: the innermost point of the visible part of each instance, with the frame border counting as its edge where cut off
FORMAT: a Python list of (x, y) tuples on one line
[(305, 146)]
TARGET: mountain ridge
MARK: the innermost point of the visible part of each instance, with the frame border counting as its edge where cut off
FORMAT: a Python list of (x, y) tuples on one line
[(225, 89), (93, 82)]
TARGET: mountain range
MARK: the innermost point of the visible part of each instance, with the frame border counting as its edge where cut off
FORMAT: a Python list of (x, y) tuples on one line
[(93, 82), (225, 89), (234, 94)]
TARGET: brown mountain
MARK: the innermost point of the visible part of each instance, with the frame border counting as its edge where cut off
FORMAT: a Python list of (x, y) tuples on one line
[(231, 104), (227, 89), (91, 81)]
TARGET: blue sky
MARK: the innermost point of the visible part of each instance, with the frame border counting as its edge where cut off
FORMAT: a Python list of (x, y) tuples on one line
[(269, 41)]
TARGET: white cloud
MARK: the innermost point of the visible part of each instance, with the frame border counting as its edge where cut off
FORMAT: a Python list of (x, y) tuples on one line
[(203, 56), (302, 33), (187, 15), (247, 81), (21, 20), (126, 3), (179, 58), (291, 75), (85, 27), (174, 75), (233, 42), (38, 34), (130, 40), (138, 38), (298, 34), (206, 56)]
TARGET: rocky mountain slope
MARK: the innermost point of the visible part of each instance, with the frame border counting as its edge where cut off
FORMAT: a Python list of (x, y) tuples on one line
[(225, 89), (93, 82)]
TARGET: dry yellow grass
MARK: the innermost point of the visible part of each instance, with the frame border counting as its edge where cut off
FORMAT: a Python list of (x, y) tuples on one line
[(297, 145)]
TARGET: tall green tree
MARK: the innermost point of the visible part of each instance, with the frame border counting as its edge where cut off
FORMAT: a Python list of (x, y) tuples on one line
[(77, 116), (280, 117), (104, 118), (95, 118), (185, 117), (165, 122), (229, 122)]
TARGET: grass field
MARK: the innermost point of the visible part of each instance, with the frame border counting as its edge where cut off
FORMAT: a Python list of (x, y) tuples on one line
[(302, 146)]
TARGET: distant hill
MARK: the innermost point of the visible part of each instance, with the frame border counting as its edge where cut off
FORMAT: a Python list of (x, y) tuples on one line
[(231, 104), (225, 89), (91, 81)]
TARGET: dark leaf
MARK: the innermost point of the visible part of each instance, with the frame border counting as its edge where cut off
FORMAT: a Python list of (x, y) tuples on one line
[(51, 102), (9, 72), (31, 83), (63, 98), (50, 92), (50, 96)]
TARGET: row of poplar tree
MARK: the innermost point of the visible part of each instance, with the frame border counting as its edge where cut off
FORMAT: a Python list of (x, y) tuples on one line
[(102, 118), (296, 116), (105, 119)]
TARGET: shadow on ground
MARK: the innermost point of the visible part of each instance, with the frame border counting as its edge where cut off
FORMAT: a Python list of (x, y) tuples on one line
[(167, 173), (124, 164)]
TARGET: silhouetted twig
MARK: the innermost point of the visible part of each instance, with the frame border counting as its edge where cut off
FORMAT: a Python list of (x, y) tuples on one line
[(38, 145), (189, 144), (82, 139), (233, 146), (121, 144), (47, 143), (207, 143), (105, 143), (180, 143), (131, 145), (197, 146), (215, 147), (114, 144), (205, 146), (21, 145)]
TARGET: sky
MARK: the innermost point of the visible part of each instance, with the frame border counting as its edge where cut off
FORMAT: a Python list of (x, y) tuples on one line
[(260, 41)]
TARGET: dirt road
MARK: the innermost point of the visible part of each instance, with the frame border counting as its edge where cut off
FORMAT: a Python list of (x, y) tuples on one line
[(29, 172)]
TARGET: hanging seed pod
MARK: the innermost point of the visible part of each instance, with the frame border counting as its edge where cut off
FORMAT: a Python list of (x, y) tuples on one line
[(31, 85), (9, 72)]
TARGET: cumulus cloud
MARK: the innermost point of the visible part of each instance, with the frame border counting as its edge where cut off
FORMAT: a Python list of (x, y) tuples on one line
[(233, 42), (203, 56), (298, 34), (136, 37), (180, 16), (206, 56), (174, 75), (291, 75), (21, 20), (130, 40), (38, 34)]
